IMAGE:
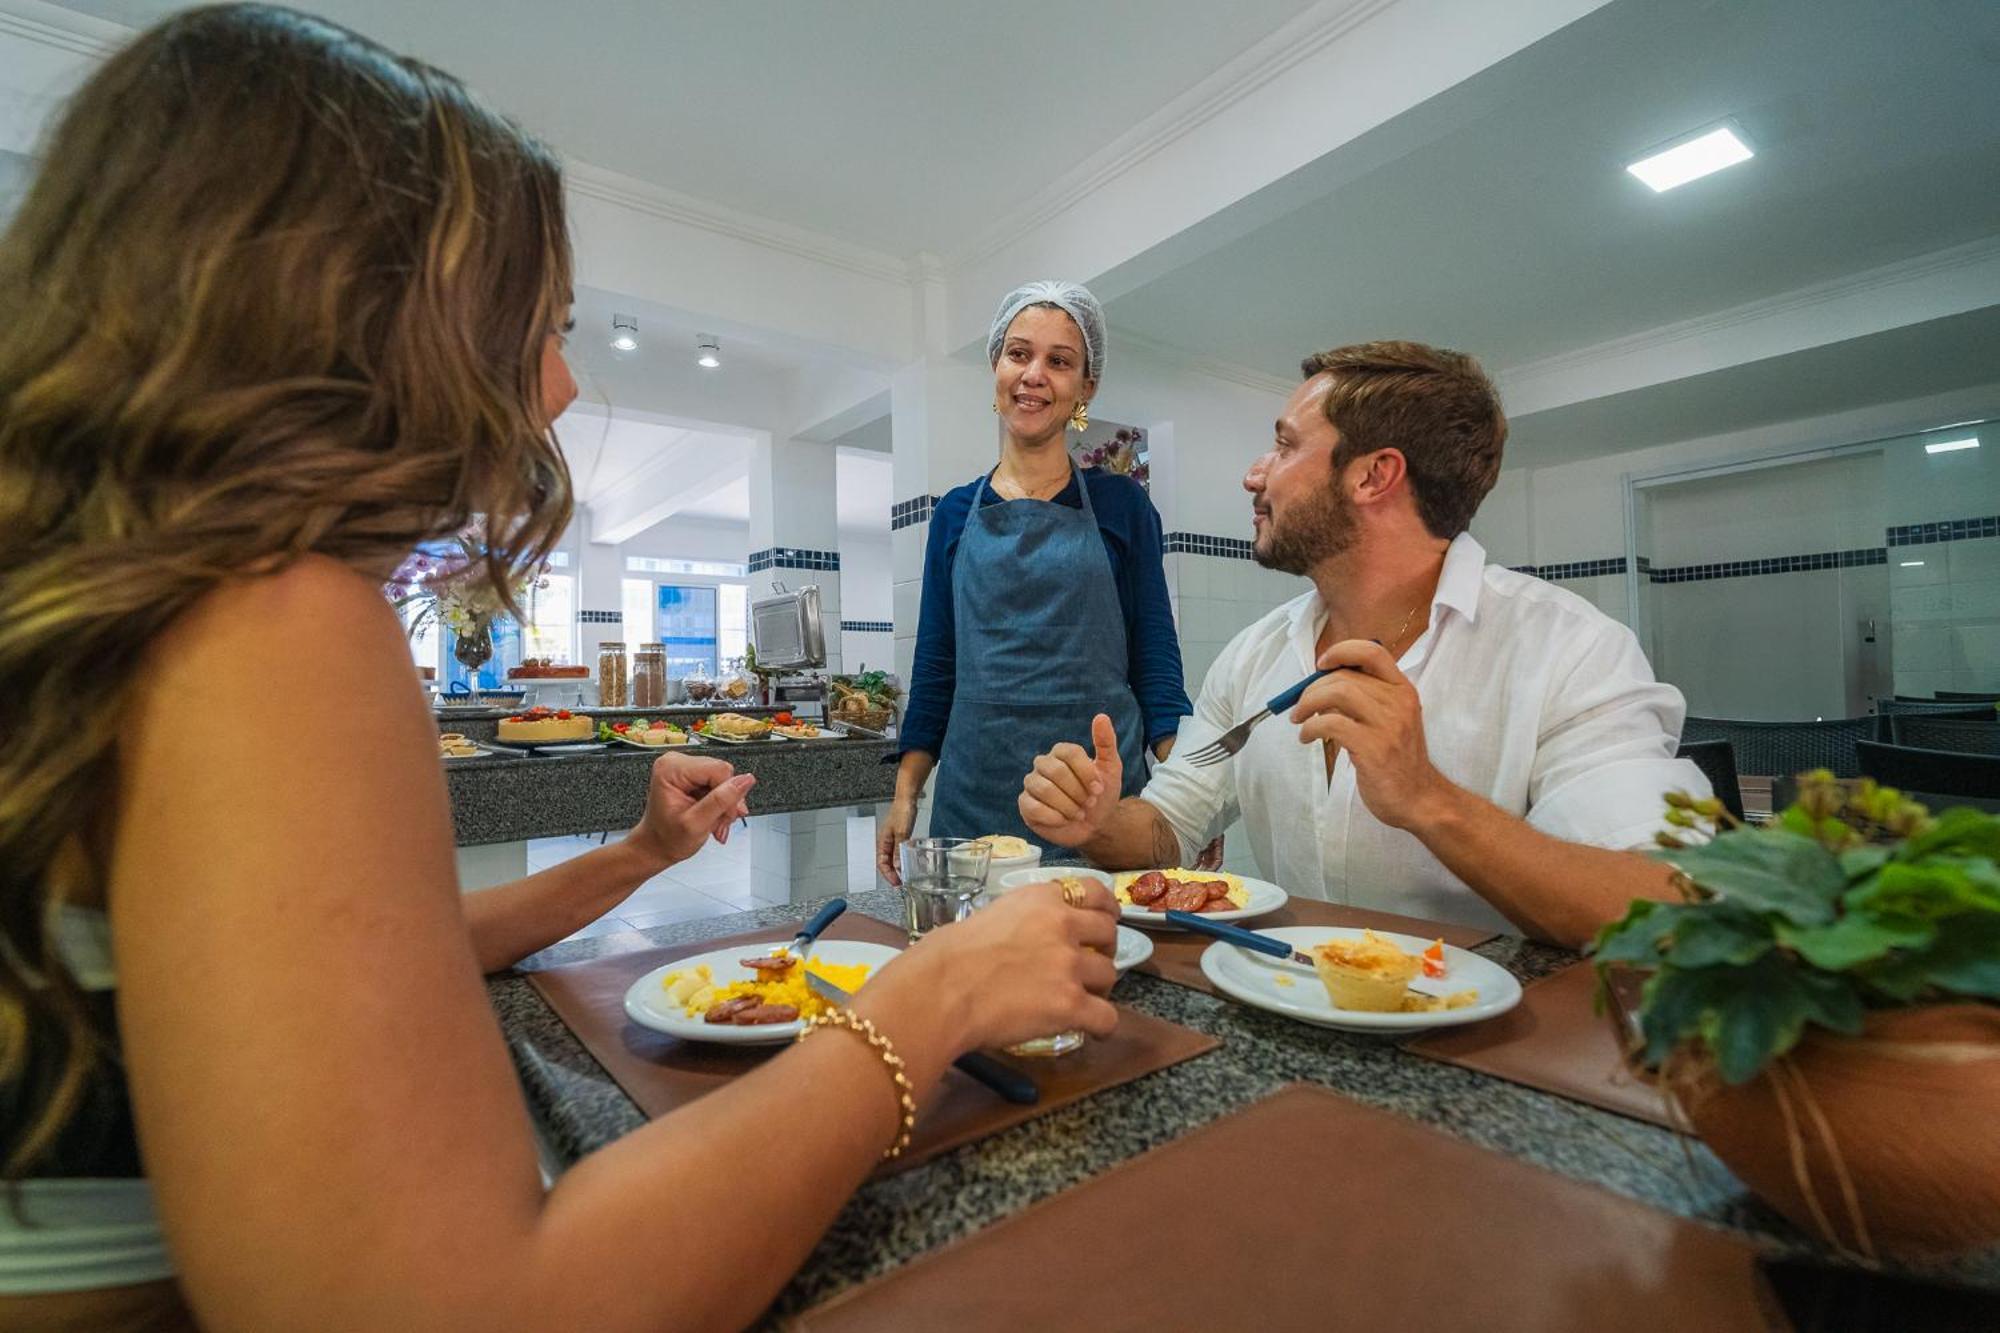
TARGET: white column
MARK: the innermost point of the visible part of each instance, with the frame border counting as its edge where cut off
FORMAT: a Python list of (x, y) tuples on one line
[(795, 540), (600, 580)]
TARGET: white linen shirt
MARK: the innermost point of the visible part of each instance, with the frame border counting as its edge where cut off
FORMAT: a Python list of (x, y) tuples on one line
[(1532, 698)]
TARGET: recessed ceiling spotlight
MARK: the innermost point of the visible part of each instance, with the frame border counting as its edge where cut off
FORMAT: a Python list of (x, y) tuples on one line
[(708, 351), (1952, 446), (1693, 157), (625, 332)]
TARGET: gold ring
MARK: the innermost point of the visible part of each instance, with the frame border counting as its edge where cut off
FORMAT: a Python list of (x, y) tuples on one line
[(1072, 890)]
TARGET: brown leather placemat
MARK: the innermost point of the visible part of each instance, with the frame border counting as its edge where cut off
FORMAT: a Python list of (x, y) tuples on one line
[(1309, 1211), (1552, 1040), (1177, 953), (662, 1073)]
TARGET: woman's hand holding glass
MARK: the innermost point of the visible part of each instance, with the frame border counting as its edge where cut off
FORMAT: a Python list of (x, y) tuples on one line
[(1028, 965)]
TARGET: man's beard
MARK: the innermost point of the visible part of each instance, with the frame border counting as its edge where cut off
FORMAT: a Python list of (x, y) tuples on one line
[(1319, 527)]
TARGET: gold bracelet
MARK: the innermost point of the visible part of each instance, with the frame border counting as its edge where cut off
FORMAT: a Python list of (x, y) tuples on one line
[(847, 1018)]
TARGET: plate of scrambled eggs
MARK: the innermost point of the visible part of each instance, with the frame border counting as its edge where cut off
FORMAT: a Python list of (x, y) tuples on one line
[(1362, 980), (749, 1002), (1145, 895)]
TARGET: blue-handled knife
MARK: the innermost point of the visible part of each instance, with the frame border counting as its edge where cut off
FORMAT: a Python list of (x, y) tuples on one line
[(1250, 939), (810, 931), (1011, 1084)]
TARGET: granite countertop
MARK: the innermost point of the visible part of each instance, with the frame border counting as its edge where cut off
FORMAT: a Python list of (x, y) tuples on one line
[(891, 1221), (494, 712), (510, 797)]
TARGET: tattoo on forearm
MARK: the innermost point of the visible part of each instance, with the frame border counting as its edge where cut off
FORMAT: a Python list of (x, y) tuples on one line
[(1166, 844)]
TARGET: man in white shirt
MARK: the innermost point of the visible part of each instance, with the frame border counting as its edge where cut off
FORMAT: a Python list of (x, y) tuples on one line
[(1496, 747)]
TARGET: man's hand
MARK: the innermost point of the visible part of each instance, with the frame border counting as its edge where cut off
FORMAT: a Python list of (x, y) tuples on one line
[(689, 800), (1067, 795), (1372, 711)]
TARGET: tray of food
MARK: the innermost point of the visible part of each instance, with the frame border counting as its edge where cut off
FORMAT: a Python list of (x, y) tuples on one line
[(646, 733), (734, 728)]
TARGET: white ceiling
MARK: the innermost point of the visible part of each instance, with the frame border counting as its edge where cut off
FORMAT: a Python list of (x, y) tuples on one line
[(903, 125), (731, 504), (1916, 361), (1515, 234)]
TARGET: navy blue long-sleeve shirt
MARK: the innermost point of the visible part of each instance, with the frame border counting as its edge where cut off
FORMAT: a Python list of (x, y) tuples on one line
[(1132, 536)]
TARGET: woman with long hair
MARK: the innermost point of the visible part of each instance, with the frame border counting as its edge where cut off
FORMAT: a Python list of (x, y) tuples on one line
[(279, 307)]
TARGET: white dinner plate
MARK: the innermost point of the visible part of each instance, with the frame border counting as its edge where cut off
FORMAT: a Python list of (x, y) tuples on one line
[(1134, 948), (646, 1002), (1265, 898), (1251, 977), (481, 752)]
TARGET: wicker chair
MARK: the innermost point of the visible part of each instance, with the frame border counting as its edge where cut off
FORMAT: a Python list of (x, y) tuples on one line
[(1717, 761), (1945, 733), (1932, 772), (1933, 708), (1781, 749)]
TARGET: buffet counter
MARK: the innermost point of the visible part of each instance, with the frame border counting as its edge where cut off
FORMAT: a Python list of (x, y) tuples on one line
[(510, 798)]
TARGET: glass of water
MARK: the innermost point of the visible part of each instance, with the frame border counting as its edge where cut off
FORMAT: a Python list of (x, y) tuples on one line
[(943, 880)]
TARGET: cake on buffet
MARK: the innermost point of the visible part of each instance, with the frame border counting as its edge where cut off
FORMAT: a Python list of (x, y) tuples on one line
[(541, 668), (541, 726)]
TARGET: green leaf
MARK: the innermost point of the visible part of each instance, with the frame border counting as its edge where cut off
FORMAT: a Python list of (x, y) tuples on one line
[(1966, 958), (1859, 862), (1746, 1015), (1633, 938), (1858, 937), (1767, 870), (1957, 830), (1719, 933), (1939, 886)]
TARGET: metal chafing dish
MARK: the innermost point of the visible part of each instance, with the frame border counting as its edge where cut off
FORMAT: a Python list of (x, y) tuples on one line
[(786, 631)]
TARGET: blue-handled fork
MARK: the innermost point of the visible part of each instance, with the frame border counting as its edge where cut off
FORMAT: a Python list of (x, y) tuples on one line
[(1230, 741)]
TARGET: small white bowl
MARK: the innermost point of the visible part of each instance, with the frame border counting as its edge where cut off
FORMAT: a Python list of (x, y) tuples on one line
[(999, 867), (1014, 879)]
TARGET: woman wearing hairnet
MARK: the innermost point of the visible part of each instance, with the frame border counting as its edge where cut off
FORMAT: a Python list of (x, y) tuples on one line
[(1044, 597)]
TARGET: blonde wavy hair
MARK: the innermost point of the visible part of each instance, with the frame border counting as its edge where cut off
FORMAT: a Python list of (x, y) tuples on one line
[(274, 291)]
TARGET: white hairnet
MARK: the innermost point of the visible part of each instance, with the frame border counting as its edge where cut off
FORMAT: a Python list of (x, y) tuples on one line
[(1073, 299)]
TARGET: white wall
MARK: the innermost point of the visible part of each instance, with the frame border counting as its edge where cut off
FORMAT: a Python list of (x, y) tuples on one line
[(866, 593)]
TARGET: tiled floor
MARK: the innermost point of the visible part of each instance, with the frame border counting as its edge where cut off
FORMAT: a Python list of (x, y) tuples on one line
[(714, 882)]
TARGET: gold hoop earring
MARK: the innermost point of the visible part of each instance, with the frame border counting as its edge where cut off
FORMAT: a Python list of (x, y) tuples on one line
[(1079, 419)]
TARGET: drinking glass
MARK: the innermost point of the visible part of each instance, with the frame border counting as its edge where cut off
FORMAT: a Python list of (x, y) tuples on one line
[(943, 879), (1061, 1043)]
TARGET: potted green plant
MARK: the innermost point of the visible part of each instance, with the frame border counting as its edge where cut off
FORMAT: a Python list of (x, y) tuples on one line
[(1821, 1006)]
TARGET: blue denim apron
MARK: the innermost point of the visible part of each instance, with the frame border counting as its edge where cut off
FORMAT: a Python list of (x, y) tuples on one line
[(1041, 650)]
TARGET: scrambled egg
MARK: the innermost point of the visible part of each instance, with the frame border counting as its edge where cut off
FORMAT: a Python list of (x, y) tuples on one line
[(696, 992)]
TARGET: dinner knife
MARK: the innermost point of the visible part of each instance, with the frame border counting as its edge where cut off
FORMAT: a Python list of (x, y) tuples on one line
[(810, 931), (1250, 939), (1011, 1084)]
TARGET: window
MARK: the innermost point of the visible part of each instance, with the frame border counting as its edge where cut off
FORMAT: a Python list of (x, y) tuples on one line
[(635, 608), (733, 621), (721, 569), (687, 627), (552, 618)]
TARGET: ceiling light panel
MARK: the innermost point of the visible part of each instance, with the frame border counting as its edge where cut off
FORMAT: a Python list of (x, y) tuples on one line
[(1692, 158)]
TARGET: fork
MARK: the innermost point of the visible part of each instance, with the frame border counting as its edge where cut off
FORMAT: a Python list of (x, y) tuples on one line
[(1231, 741)]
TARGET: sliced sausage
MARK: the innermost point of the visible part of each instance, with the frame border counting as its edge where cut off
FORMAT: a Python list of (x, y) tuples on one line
[(726, 1011), (1217, 888), (1146, 894), (1151, 879), (765, 1013), (768, 964), (1185, 898)]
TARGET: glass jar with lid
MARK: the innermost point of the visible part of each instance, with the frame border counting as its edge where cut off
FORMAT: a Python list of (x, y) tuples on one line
[(649, 675), (612, 690)]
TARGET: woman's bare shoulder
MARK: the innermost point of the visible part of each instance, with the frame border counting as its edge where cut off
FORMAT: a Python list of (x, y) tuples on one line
[(317, 621)]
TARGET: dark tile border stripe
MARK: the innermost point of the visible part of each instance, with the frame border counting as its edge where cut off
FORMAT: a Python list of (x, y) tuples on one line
[(1200, 543), (1783, 564), (793, 557), (868, 626), (600, 617), (1953, 530), (909, 513)]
